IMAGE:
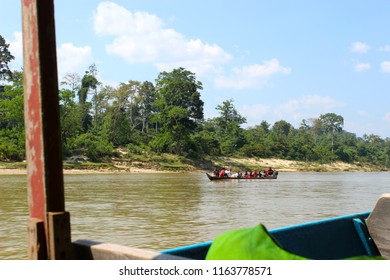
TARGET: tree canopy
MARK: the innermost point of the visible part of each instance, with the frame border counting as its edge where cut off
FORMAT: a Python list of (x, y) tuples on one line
[(5, 58), (167, 117)]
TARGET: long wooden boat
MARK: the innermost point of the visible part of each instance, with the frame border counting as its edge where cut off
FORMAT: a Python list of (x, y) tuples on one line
[(215, 178)]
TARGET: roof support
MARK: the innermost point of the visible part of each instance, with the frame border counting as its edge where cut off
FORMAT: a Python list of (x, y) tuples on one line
[(48, 237)]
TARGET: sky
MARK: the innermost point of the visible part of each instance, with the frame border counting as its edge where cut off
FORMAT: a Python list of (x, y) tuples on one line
[(277, 60)]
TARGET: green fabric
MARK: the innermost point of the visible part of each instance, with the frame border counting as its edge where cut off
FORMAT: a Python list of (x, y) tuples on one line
[(248, 244), (253, 243)]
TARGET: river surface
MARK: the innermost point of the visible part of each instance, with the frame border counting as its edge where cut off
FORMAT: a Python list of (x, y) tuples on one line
[(163, 211)]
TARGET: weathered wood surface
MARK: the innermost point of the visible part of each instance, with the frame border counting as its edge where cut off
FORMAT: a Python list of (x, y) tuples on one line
[(42, 123), (36, 240), (378, 223), (91, 250), (59, 235)]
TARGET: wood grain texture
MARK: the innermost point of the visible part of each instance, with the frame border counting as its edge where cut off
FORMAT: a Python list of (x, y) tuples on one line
[(378, 223)]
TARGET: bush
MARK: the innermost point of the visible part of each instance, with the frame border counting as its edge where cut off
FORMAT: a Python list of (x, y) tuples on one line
[(12, 145), (95, 148)]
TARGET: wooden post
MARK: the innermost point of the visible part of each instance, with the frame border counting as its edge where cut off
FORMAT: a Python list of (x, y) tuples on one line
[(43, 138)]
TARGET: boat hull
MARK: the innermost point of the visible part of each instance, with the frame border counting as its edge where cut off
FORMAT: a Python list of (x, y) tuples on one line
[(330, 239), (215, 178)]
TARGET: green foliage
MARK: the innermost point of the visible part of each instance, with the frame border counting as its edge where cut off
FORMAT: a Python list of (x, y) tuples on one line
[(228, 128), (178, 108), (5, 58), (207, 144), (11, 103), (168, 118), (92, 146), (12, 147), (161, 142), (12, 143)]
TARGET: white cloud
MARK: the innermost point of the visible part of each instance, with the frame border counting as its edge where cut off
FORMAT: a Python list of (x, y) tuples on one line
[(140, 37), (359, 47), (361, 67), (16, 49), (251, 76), (385, 66), (72, 59), (307, 106)]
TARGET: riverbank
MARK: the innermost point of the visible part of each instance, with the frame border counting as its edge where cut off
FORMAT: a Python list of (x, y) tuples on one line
[(184, 165)]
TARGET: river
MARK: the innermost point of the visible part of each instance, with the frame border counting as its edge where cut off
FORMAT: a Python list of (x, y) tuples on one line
[(162, 211)]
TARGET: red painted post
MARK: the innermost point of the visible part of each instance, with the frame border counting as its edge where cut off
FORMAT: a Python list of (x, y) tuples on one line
[(42, 122)]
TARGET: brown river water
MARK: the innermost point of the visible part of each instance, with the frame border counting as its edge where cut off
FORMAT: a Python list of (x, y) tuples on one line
[(163, 211)]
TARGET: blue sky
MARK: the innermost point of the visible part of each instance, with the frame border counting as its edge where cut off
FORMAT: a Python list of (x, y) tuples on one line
[(278, 60)]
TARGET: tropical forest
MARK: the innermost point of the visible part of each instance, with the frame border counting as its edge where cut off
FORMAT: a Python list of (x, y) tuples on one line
[(157, 120)]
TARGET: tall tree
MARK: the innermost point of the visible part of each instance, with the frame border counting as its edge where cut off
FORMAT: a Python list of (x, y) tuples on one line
[(229, 129), (331, 124), (229, 116), (5, 58), (128, 99), (147, 95), (89, 84), (70, 116), (116, 120), (179, 108), (279, 136), (72, 81)]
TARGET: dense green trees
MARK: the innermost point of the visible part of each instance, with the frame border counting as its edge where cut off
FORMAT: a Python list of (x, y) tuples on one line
[(11, 108), (178, 110), (12, 119), (167, 117)]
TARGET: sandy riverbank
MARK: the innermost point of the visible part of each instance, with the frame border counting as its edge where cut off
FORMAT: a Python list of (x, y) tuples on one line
[(236, 164), (21, 171)]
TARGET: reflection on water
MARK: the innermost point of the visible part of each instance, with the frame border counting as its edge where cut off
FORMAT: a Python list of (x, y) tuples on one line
[(161, 211)]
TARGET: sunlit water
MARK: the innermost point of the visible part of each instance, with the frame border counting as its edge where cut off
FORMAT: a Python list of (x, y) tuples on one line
[(162, 211)]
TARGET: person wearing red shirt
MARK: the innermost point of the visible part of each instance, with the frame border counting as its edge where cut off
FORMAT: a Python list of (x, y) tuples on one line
[(222, 172)]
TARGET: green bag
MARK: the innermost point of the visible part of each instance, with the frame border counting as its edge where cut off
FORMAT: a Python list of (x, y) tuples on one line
[(253, 243)]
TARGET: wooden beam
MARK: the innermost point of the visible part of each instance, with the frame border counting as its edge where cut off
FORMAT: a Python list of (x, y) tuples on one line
[(378, 223), (60, 244), (41, 110), (36, 240), (91, 250)]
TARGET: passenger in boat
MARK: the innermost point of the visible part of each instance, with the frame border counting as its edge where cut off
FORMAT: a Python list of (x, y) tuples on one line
[(216, 172), (222, 172), (270, 171)]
